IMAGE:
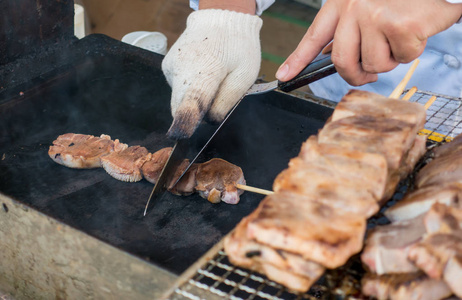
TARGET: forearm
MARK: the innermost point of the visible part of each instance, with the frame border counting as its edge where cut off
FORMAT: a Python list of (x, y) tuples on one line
[(243, 6)]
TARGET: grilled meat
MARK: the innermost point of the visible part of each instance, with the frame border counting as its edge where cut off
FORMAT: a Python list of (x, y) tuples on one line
[(214, 180), (126, 165), (247, 253), (187, 184), (360, 103), (442, 218), (404, 286), (217, 179), (370, 169), (432, 254), (325, 185), (387, 246), (422, 199), (315, 231), (443, 170), (389, 137), (153, 166), (82, 151), (446, 149), (453, 274)]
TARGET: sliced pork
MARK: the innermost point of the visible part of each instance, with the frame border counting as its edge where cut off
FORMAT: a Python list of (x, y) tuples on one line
[(389, 137), (387, 247), (153, 166), (216, 180), (407, 286), (368, 169), (360, 103), (315, 231), (443, 170), (248, 253), (82, 151), (326, 186), (432, 254), (126, 165), (422, 199)]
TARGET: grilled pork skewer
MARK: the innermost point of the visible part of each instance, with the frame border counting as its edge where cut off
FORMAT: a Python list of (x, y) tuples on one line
[(437, 211), (214, 180), (341, 176)]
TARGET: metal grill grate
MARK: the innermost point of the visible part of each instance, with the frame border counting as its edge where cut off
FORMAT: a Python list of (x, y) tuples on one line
[(218, 278)]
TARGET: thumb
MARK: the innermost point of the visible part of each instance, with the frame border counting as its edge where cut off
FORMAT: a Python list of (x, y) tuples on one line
[(318, 35), (192, 108)]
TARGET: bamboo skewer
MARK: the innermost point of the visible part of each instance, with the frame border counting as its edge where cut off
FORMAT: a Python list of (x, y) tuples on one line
[(402, 85), (253, 189), (430, 102), (409, 94)]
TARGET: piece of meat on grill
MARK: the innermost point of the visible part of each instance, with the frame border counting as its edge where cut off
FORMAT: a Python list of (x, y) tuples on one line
[(453, 274), (216, 179), (126, 165), (315, 231), (368, 168), (432, 254), (153, 166), (387, 246), (82, 151), (421, 200), (360, 103), (187, 184), (445, 169), (390, 137), (245, 252), (443, 218), (324, 184), (407, 286), (449, 148)]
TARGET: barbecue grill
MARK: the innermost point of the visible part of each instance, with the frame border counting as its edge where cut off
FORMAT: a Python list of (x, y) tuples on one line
[(80, 233)]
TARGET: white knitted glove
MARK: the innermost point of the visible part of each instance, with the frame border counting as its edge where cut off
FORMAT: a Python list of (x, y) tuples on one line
[(211, 65)]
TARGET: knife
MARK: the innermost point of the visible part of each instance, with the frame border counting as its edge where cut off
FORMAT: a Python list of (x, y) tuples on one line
[(320, 67)]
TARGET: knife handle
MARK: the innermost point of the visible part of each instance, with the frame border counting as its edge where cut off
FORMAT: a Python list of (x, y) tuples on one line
[(321, 67)]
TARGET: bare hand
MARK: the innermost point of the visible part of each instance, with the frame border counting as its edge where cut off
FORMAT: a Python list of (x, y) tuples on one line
[(370, 36)]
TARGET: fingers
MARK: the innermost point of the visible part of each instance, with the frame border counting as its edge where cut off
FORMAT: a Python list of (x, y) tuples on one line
[(318, 35), (192, 107), (231, 90), (406, 45), (376, 56), (346, 51)]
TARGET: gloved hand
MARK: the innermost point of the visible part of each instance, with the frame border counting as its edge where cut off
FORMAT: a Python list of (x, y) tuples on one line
[(211, 65)]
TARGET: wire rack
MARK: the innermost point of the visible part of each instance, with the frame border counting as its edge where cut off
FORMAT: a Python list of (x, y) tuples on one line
[(217, 278)]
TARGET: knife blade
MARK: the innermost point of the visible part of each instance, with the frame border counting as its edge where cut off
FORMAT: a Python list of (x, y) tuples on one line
[(320, 67), (176, 157)]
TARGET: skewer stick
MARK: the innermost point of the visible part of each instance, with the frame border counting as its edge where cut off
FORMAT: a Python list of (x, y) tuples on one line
[(402, 85), (430, 102), (253, 189), (409, 94)]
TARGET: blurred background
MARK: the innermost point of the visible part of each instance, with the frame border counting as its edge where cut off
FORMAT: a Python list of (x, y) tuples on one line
[(284, 23)]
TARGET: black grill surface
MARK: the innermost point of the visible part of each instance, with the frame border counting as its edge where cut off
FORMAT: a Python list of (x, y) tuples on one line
[(100, 85)]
